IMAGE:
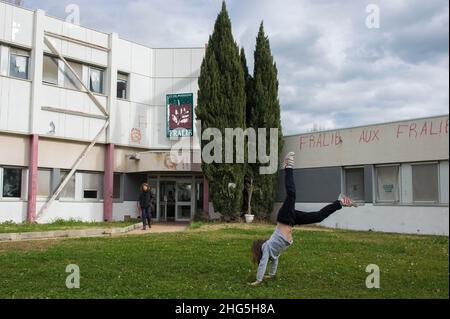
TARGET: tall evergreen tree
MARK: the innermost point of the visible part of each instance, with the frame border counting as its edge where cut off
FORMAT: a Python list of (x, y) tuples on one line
[(265, 113), (222, 104), (250, 167)]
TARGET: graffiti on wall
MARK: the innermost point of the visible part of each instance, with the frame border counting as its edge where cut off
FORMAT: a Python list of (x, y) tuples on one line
[(413, 130)]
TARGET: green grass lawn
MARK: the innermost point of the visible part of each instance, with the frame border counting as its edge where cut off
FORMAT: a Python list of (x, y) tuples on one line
[(213, 262), (10, 227)]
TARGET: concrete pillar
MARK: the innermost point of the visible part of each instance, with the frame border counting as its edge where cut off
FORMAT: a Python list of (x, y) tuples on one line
[(36, 64), (32, 178), (205, 195), (108, 183)]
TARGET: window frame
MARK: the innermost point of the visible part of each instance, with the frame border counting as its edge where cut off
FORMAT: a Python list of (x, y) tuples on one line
[(127, 90), (20, 53), (99, 191), (74, 176), (57, 70), (102, 79), (344, 182), (22, 185), (421, 202), (50, 186), (399, 184), (119, 199)]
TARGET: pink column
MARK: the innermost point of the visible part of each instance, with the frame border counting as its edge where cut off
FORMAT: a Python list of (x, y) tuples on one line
[(32, 178), (108, 183), (205, 195)]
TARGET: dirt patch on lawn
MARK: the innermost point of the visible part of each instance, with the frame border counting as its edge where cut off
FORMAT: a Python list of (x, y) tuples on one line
[(28, 245)]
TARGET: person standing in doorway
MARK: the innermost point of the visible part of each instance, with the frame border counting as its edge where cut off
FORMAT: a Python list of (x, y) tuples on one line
[(145, 205)]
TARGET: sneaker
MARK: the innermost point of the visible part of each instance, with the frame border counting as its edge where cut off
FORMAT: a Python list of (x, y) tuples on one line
[(289, 160), (346, 201)]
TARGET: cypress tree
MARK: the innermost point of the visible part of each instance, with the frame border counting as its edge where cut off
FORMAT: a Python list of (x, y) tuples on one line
[(222, 104), (265, 113)]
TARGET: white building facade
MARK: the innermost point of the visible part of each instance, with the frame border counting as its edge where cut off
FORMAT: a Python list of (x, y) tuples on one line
[(47, 121)]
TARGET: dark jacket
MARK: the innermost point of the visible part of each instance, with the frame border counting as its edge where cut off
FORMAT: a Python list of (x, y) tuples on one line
[(146, 200)]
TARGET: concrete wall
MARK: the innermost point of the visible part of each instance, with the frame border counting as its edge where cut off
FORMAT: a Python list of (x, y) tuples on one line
[(397, 219), (405, 141)]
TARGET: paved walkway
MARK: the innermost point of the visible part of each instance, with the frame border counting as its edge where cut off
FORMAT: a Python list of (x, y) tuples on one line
[(95, 232), (160, 228)]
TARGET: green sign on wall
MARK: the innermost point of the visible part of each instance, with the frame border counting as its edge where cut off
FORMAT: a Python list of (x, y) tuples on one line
[(180, 115)]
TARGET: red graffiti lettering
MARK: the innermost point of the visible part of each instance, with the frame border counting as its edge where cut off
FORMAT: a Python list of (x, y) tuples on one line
[(412, 128)]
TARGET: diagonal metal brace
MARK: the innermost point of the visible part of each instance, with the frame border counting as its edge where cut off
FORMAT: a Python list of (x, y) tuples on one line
[(91, 95), (72, 172)]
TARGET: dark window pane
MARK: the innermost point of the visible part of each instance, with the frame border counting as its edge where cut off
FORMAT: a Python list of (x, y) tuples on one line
[(50, 70), (18, 66), (96, 80), (90, 194), (354, 179), (121, 89), (425, 183), (12, 182), (116, 186)]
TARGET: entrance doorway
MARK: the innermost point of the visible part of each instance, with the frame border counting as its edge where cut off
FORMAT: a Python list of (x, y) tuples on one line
[(167, 200), (178, 198)]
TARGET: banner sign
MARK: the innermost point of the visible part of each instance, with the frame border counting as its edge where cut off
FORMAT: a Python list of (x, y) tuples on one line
[(180, 115)]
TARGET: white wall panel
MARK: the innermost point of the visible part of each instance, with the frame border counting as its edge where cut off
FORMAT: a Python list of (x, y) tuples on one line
[(120, 124), (163, 62), (197, 59), (399, 219), (124, 55), (14, 211), (163, 87), (182, 63), (140, 60), (6, 18), (181, 85), (22, 23), (140, 88), (14, 104)]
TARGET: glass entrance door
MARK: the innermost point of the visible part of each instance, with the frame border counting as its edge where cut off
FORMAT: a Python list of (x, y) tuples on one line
[(184, 200), (167, 200)]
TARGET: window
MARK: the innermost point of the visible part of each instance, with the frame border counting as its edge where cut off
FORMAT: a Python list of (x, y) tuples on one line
[(92, 185), (70, 81), (425, 183), (387, 183), (184, 192), (122, 86), (44, 182), (117, 189), (95, 80), (12, 183), (18, 63), (354, 183), (69, 190), (50, 70)]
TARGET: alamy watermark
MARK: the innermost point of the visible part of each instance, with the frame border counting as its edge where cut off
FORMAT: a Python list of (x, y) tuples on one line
[(73, 280), (373, 279), (373, 17), (230, 148)]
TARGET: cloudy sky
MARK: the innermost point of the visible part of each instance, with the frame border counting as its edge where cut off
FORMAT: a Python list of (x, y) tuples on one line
[(334, 71)]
